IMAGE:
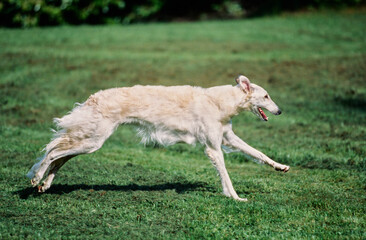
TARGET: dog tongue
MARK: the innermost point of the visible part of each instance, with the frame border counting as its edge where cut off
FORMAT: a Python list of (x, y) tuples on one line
[(263, 115)]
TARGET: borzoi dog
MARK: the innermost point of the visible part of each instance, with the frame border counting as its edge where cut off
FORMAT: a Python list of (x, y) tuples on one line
[(163, 115)]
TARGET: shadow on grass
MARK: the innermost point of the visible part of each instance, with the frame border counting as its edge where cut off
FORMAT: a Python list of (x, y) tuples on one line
[(65, 188), (353, 101)]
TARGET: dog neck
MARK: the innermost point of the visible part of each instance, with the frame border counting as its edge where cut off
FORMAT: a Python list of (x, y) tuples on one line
[(230, 100)]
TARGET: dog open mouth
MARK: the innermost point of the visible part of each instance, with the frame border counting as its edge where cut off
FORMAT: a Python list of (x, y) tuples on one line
[(264, 117)]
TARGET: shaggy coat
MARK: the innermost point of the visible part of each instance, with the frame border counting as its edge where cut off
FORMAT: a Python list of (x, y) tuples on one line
[(163, 115)]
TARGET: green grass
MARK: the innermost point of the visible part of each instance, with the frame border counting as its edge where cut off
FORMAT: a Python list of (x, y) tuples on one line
[(313, 66)]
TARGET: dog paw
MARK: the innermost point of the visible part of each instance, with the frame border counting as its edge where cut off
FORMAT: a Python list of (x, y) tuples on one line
[(34, 182), (42, 188), (282, 168), (241, 199)]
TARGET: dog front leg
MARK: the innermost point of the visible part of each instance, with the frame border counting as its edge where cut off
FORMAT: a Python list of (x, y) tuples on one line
[(217, 159), (231, 140)]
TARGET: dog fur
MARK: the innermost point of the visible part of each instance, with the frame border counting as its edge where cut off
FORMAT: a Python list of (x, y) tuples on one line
[(163, 115)]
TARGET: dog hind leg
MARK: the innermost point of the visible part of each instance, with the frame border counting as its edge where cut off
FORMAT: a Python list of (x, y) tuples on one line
[(65, 149), (53, 169), (54, 159), (70, 142)]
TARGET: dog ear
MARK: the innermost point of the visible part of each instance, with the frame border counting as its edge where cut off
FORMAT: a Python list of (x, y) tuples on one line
[(244, 83)]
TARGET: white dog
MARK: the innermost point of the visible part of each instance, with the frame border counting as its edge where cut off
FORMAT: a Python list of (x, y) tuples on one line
[(163, 115)]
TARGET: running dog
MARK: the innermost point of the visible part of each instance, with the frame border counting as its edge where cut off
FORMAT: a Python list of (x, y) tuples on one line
[(162, 115)]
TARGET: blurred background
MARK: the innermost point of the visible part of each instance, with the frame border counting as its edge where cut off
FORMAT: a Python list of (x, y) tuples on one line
[(27, 13)]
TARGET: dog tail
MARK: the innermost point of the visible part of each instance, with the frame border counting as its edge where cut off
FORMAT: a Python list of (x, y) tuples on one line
[(34, 168), (75, 118)]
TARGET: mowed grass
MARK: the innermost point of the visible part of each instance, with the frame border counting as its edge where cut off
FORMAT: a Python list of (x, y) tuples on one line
[(314, 67)]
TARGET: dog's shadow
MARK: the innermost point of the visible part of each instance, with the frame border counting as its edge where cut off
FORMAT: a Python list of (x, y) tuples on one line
[(61, 189)]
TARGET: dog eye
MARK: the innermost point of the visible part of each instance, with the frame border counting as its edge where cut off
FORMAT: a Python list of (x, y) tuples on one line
[(266, 96)]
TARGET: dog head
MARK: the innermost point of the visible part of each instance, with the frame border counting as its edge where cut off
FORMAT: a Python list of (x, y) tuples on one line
[(258, 98)]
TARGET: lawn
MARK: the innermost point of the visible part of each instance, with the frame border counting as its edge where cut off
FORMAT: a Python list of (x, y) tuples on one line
[(312, 64)]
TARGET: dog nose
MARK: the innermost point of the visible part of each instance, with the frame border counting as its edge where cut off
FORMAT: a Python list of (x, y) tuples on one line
[(279, 112)]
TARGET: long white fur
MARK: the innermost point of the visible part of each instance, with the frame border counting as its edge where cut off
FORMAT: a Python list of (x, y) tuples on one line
[(163, 115)]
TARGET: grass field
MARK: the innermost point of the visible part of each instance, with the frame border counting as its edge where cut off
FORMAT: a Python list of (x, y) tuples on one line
[(312, 64)]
